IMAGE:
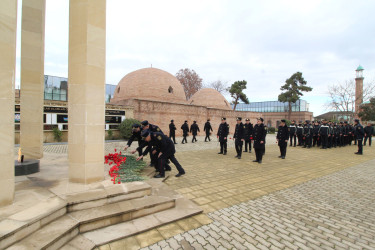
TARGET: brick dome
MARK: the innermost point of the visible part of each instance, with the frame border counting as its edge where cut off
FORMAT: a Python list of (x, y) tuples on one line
[(210, 98), (150, 84)]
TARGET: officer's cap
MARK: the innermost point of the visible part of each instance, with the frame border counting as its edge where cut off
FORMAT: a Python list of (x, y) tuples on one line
[(208, 120), (172, 121), (356, 120), (185, 121), (346, 122), (239, 118), (195, 121), (136, 125), (145, 133), (260, 119), (144, 123), (223, 118), (247, 119), (283, 120)]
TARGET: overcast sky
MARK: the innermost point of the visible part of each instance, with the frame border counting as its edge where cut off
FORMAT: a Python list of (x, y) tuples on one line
[(262, 42)]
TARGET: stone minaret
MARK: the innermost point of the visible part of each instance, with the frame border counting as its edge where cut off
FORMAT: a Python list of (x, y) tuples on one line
[(358, 88)]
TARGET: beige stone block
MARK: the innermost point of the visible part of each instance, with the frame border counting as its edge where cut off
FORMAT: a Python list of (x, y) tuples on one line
[(7, 191), (95, 56), (94, 172), (6, 169), (151, 210), (76, 153), (77, 93), (77, 115), (96, 137), (96, 9), (19, 235), (94, 153), (76, 136)]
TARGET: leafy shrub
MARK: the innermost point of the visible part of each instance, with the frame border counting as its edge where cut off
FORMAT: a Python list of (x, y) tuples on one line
[(126, 127), (271, 130), (57, 134), (110, 134)]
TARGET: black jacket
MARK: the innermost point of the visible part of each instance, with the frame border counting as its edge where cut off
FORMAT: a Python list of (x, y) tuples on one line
[(259, 134), (185, 129), (194, 129), (223, 132), (161, 143), (172, 128), (248, 131), (359, 131), (154, 128), (324, 129), (239, 132), (207, 127), (282, 134), (369, 130), (292, 129), (135, 135)]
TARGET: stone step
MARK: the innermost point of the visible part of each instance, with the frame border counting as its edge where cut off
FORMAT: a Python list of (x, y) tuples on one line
[(62, 230), (184, 208), (51, 236), (21, 224), (107, 195)]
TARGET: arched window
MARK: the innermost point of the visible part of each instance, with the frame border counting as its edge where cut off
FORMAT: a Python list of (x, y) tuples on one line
[(118, 90), (170, 89)]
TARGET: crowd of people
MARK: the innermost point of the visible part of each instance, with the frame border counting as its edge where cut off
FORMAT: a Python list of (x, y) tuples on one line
[(323, 134)]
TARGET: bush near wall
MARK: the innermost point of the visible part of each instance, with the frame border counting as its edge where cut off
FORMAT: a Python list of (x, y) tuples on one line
[(126, 127)]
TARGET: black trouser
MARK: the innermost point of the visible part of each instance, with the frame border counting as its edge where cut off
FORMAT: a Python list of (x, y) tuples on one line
[(207, 136), (238, 144), (162, 162), (355, 140), (324, 139), (248, 142), (350, 138), (194, 139), (369, 140), (184, 139), (300, 140), (329, 145), (139, 149), (360, 148), (173, 137), (308, 141), (315, 140), (259, 153), (223, 146), (293, 136), (283, 145)]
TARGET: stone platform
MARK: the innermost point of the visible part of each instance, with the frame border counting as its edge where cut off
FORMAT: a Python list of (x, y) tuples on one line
[(27, 167)]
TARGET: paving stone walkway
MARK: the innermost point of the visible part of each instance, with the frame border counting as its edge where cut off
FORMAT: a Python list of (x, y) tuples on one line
[(332, 212)]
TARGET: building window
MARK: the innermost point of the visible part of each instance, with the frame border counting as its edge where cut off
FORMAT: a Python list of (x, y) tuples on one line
[(118, 90), (170, 89)]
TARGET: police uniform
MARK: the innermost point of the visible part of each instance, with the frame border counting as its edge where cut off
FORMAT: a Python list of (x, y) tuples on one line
[(185, 131), (136, 135), (207, 129), (165, 146), (307, 133), (324, 131), (194, 129), (300, 134), (222, 134), (239, 135), (282, 139), (359, 133), (369, 130), (316, 137), (259, 137), (153, 128), (172, 131), (248, 134)]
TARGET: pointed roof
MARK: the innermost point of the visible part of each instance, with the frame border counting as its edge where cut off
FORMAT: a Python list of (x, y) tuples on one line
[(359, 68)]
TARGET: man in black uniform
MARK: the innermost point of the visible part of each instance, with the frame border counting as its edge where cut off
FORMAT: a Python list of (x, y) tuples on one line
[(248, 134), (359, 133), (300, 134), (315, 132), (259, 137), (292, 133), (222, 135), (324, 132), (282, 138), (165, 150), (194, 129), (307, 134), (185, 131), (136, 134), (369, 130), (207, 129), (239, 135), (172, 131), (153, 128)]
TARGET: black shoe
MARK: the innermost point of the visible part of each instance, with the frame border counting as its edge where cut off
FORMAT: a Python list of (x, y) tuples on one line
[(255, 161), (282, 157), (279, 156), (259, 162), (159, 176), (358, 153), (179, 174), (294, 145), (175, 143), (225, 153), (168, 169), (182, 142), (244, 151), (239, 157), (220, 153)]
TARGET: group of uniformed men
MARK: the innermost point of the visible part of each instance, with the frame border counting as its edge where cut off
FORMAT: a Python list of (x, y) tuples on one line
[(322, 134)]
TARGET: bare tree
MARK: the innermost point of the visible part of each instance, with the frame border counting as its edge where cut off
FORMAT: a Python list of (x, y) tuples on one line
[(342, 97), (190, 80), (219, 85)]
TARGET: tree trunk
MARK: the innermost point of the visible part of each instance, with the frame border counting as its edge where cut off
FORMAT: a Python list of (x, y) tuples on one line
[(235, 103), (290, 110)]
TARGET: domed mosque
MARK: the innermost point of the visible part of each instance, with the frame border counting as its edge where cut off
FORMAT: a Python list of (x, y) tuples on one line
[(210, 98), (149, 84)]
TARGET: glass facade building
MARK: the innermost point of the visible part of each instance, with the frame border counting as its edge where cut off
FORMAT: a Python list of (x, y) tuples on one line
[(273, 106), (56, 88)]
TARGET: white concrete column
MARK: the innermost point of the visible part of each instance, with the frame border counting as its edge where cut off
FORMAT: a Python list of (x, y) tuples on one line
[(32, 78), (8, 31), (87, 35)]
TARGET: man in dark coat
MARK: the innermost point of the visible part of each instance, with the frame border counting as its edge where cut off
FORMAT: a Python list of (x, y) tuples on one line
[(153, 128), (307, 134), (165, 151), (292, 129), (369, 131), (324, 132), (259, 138), (185, 131), (300, 134), (239, 135), (282, 138), (136, 135), (359, 133), (172, 131), (248, 134), (222, 135), (194, 129), (207, 129)]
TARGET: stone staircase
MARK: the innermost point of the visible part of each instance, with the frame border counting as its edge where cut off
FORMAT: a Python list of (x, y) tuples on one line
[(89, 219)]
